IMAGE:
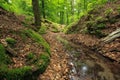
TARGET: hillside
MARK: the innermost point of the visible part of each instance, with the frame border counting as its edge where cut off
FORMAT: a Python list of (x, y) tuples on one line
[(97, 24), (22, 49), (47, 53)]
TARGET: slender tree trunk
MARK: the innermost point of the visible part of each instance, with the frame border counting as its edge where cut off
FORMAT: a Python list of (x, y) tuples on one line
[(72, 10), (36, 11), (67, 18), (85, 6), (43, 8), (61, 17)]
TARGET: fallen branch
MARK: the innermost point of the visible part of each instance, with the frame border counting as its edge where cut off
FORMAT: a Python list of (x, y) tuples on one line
[(115, 34)]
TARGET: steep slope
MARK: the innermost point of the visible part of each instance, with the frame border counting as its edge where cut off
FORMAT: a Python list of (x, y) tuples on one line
[(97, 24), (24, 51)]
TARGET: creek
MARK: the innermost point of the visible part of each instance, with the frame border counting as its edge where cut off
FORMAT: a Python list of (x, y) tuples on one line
[(88, 65)]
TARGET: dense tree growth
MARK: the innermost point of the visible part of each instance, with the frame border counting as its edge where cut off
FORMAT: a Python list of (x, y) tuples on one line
[(60, 11)]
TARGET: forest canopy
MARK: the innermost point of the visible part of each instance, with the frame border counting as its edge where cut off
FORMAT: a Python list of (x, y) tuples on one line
[(59, 11)]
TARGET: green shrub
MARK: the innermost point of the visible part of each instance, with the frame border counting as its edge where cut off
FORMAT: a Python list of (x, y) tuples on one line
[(11, 41)]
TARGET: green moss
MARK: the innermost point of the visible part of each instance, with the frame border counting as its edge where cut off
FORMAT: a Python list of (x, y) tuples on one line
[(10, 74), (43, 62), (69, 29), (38, 38), (14, 74), (2, 54), (43, 29), (40, 62), (30, 56), (55, 27), (95, 27), (11, 41)]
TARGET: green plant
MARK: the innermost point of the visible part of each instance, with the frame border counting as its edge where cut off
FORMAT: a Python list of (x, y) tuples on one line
[(43, 29), (69, 29), (42, 62), (108, 12), (118, 9), (14, 74), (11, 41), (38, 38), (30, 56), (2, 54), (113, 20), (101, 26)]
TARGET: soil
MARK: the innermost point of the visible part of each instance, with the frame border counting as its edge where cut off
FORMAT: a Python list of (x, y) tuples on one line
[(59, 67), (11, 27)]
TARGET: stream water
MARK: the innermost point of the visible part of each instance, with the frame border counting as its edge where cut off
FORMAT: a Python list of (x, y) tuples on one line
[(88, 65)]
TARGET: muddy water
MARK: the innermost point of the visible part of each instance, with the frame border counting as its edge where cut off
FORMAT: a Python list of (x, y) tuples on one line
[(88, 65)]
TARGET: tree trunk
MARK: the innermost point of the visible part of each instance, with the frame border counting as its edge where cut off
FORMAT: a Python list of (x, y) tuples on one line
[(72, 10), (115, 34), (67, 18), (85, 6), (43, 8), (36, 11)]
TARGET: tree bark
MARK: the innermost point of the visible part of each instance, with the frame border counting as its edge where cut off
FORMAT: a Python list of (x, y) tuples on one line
[(43, 9), (72, 10), (36, 11), (115, 34)]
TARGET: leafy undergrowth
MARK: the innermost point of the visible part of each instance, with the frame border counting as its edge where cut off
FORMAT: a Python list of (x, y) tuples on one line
[(50, 26), (97, 24), (24, 54), (97, 19)]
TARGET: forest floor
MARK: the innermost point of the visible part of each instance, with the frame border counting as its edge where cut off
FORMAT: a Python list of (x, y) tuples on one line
[(59, 66)]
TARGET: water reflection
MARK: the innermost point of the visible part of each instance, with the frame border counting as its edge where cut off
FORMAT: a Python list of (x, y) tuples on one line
[(90, 68)]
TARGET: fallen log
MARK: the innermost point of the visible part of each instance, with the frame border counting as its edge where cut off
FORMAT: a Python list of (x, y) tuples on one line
[(112, 36)]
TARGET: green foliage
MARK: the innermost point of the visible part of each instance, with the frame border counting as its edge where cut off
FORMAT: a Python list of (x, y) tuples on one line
[(68, 29), (2, 54), (101, 26), (43, 29), (43, 62), (10, 74), (59, 11), (39, 39), (30, 56), (108, 12), (95, 28), (10, 41), (55, 27), (112, 20), (118, 9), (14, 74)]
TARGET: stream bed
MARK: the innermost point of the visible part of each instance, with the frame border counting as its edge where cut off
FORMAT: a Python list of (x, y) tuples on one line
[(89, 65)]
